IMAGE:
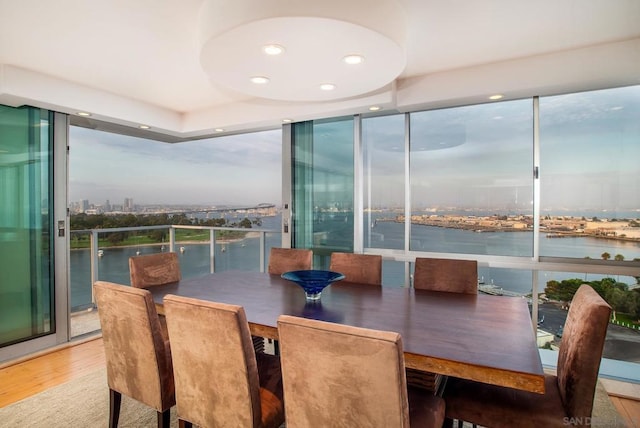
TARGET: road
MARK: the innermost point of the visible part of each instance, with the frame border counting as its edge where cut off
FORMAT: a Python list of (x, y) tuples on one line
[(620, 344)]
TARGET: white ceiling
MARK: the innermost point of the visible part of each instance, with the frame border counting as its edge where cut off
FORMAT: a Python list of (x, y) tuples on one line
[(132, 62)]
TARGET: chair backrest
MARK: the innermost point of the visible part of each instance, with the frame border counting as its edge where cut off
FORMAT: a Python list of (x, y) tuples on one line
[(581, 351), (361, 268), (154, 269), (339, 375), (457, 276), (215, 366), (283, 260), (138, 359)]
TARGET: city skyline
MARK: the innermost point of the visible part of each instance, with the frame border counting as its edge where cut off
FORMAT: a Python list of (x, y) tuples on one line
[(231, 170)]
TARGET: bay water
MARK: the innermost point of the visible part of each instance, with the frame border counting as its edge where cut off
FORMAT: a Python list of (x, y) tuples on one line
[(244, 254)]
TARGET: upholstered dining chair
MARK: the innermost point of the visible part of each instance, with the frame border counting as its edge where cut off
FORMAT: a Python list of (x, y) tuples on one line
[(154, 269), (457, 276), (150, 270), (138, 359), (283, 260), (361, 268), (345, 376), (221, 382), (568, 397)]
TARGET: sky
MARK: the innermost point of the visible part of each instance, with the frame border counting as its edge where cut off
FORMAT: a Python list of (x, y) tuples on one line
[(233, 170), (478, 156)]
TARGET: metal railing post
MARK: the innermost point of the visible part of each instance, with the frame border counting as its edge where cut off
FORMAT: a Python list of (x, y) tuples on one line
[(262, 250), (94, 261), (212, 249), (172, 239)]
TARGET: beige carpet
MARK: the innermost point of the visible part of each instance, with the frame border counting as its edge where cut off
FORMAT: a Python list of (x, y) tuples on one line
[(85, 402)]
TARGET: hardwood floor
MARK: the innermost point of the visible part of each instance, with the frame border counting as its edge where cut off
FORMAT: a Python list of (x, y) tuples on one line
[(31, 376)]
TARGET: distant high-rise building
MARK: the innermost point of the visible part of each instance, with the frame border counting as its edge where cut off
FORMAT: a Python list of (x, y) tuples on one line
[(107, 206), (84, 205), (128, 204)]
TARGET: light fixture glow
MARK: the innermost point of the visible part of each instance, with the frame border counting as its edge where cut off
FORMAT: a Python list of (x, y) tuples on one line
[(83, 113), (273, 49), (496, 97), (144, 127), (287, 120), (374, 108), (327, 86), (353, 59), (259, 80), (219, 129)]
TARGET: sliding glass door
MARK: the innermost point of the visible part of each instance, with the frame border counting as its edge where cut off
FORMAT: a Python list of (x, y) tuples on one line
[(27, 230)]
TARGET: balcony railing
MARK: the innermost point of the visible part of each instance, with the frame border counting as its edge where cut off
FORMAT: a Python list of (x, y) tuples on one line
[(213, 249)]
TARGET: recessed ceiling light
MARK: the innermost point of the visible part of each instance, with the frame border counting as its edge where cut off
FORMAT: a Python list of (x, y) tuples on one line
[(353, 59), (496, 97), (374, 108), (144, 127), (327, 86), (273, 49), (83, 113), (259, 80), (287, 120), (219, 130)]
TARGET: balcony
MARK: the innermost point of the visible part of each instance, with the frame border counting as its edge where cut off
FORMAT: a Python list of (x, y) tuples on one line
[(201, 249)]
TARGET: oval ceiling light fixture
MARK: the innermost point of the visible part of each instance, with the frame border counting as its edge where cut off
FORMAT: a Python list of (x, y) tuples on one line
[(273, 49), (353, 59), (318, 37), (496, 97), (287, 120), (375, 108), (259, 80), (219, 129), (327, 86), (83, 113), (144, 127)]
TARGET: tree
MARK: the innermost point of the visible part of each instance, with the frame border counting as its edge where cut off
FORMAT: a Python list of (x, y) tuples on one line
[(619, 257), (605, 256), (564, 290), (245, 222)]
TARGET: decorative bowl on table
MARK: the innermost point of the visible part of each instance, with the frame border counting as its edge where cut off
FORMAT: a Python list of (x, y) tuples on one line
[(313, 281)]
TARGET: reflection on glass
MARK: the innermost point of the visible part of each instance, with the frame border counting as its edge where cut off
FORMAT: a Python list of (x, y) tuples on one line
[(383, 153), (590, 174), (323, 186), (26, 238), (471, 180)]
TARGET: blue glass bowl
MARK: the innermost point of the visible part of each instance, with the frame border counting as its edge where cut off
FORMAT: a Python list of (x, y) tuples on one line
[(313, 281)]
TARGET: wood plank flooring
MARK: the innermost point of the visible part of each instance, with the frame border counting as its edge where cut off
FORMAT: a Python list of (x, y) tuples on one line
[(31, 376)]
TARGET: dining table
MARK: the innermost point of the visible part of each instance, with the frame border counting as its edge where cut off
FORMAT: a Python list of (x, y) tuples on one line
[(480, 337)]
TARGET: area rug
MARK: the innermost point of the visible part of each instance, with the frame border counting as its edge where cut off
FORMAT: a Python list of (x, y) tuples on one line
[(85, 402)]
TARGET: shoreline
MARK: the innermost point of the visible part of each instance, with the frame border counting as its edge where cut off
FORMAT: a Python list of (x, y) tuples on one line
[(249, 235)]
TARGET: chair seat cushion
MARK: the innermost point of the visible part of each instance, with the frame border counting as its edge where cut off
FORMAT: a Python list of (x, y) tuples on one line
[(425, 408), (495, 406)]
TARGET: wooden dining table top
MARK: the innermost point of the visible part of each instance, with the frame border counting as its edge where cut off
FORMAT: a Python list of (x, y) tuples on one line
[(479, 337)]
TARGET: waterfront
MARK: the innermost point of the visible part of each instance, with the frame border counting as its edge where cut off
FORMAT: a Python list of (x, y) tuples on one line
[(244, 255)]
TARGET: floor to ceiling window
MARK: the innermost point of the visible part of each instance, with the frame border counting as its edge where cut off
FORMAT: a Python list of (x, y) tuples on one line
[(26, 229), (543, 193), (323, 187), (119, 181), (471, 179)]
